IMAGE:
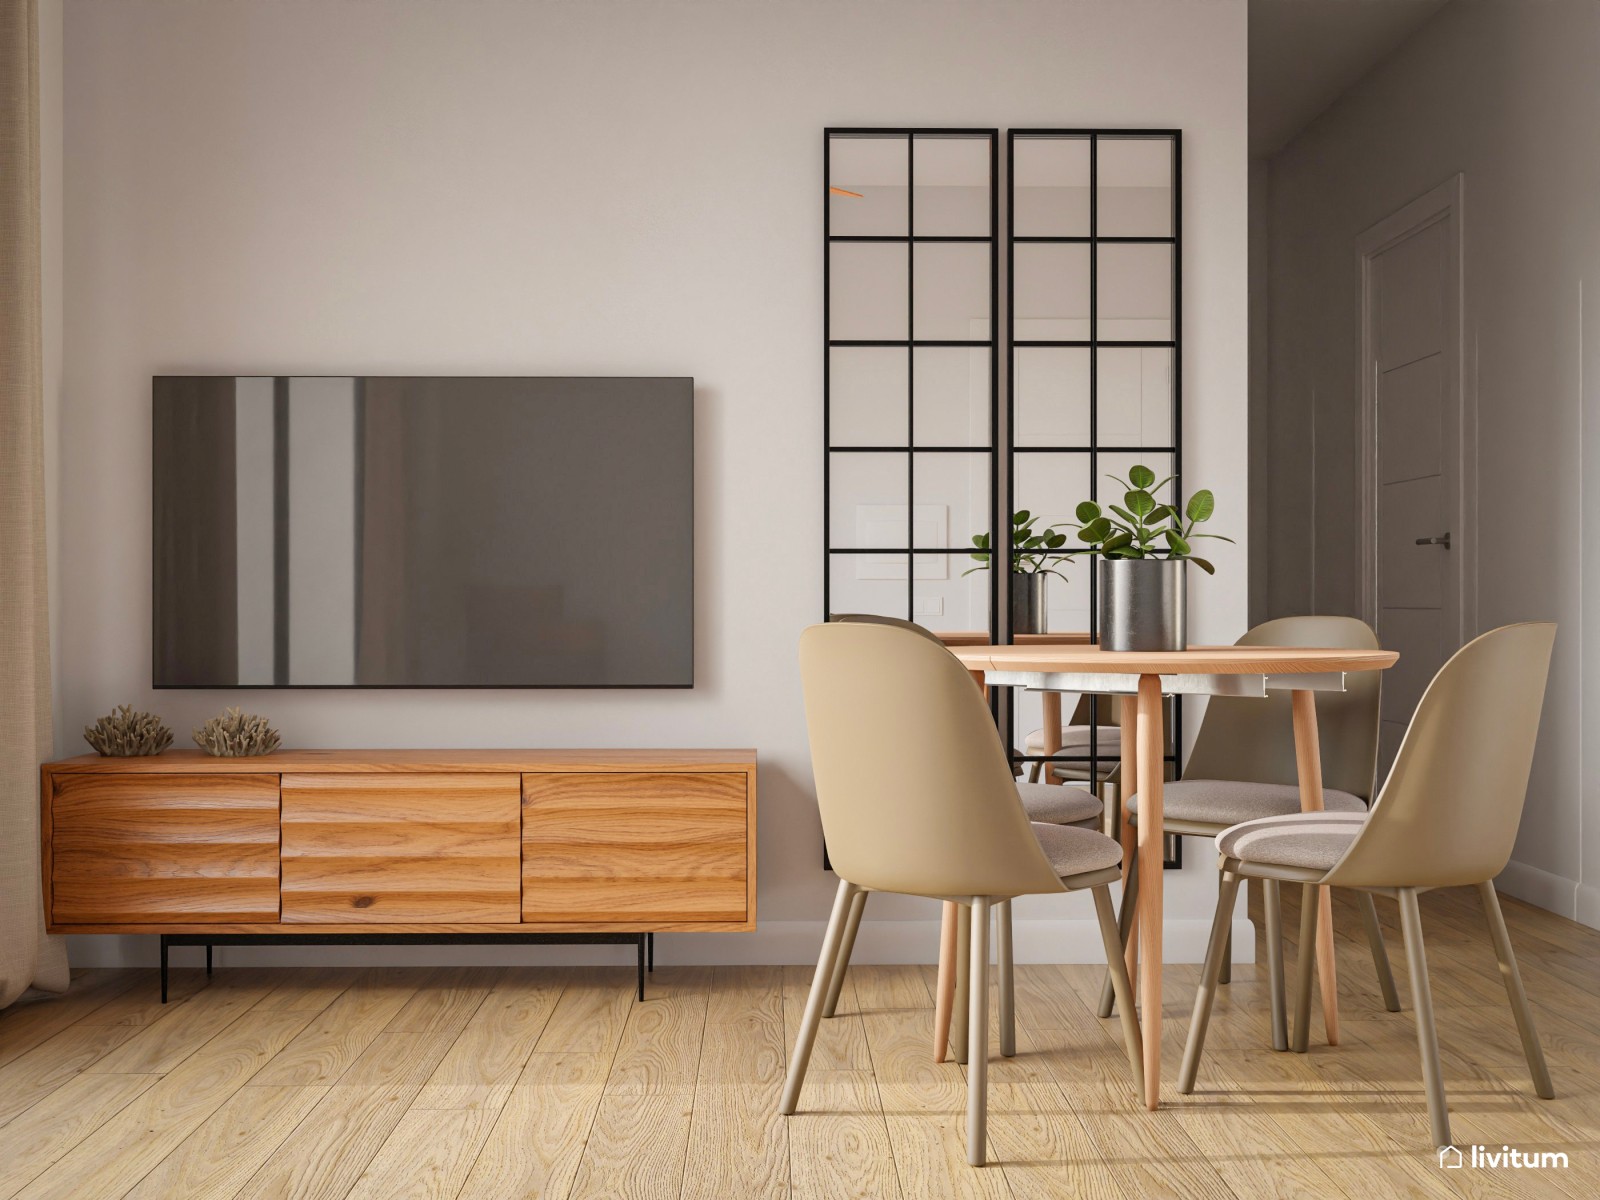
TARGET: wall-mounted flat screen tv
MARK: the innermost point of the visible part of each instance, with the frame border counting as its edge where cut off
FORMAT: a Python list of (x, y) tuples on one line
[(381, 531)]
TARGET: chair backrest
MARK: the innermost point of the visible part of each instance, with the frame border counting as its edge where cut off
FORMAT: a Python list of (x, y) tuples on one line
[(1449, 811), (892, 622), (1252, 739), (914, 787)]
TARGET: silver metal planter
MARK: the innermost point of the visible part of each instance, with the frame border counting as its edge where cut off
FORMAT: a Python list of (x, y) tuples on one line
[(1028, 602), (1143, 604)]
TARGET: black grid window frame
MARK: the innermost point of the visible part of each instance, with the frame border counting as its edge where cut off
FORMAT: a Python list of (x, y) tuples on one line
[(1101, 710), (910, 343)]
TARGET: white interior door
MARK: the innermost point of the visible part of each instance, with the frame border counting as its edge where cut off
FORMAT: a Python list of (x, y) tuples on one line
[(1414, 536)]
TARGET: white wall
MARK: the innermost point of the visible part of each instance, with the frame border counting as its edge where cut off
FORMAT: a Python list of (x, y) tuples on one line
[(1506, 93), (566, 188)]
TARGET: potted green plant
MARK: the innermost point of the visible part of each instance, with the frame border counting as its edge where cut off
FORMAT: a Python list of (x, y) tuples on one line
[(1035, 553), (1144, 544)]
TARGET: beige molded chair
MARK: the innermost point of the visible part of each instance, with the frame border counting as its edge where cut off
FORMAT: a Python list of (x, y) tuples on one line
[(1447, 817), (917, 797), (1243, 768)]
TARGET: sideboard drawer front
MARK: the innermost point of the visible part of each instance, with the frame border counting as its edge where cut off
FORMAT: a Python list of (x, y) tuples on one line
[(635, 847), (399, 848), (163, 849)]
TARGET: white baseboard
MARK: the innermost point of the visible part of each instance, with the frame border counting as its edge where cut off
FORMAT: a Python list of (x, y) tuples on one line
[(775, 942), (1546, 890), (1588, 911)]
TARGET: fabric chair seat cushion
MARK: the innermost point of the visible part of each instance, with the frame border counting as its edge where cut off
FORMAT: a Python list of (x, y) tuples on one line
[(1052, 804), (1313, 841), (1075, 739), (1226, 802), (1074, 851)]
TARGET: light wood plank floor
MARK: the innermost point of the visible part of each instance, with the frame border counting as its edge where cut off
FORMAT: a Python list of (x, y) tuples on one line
[(513, 1082)]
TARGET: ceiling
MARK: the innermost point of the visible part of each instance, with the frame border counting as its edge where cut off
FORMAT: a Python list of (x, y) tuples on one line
[(1304, 54)]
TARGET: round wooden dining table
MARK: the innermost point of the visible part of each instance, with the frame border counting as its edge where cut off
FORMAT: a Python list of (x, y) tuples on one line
[(1142, 679)]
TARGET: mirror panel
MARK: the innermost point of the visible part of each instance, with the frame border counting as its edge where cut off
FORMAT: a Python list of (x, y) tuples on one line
[(952, 396), (867, 291), (945, 599), (1050, 187), (1050, 291), (951, 177), (875, 169), (951, 286), (867, 501), (1133, 187), (1050, 390), (1134, 384), (952, 500), (1134, 291), (868, 583)]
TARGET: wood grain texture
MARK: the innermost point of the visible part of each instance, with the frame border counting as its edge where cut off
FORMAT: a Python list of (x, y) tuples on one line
[(163, 848), (400, 848), (645, 846), (411, 762), (1308, 765)]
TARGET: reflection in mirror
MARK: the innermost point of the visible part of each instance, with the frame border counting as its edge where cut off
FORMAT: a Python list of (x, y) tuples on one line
[(1050, 386), (952, 186), (952, 500), (867, 501), (952, 291), (1050, 187), (946, 600), (867, 390), (1134, 187), (1135, 396), (1134, 285), (867, 291), (1051, 485), (868, 583), (952, 395), (874, 169), (1050, 292)]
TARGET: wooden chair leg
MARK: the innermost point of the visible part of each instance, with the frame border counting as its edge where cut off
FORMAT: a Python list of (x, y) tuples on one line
[(1227, 894), (1225, 974), (1310, 893), (945, 990), (1125, 918), (1380, 953), (978, 1034), (846, 948), (1512, 978), (1273, 912), (1422, 1002), (1117, 973), (1008, 983), (959, 1002), (842, 902)]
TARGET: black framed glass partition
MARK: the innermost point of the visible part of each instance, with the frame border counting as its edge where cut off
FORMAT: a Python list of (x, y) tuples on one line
[(1094, 385), (911, 373)]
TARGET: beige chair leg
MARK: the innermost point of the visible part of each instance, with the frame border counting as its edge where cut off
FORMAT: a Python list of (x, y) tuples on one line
[(1519, 998), (842, 902), (1008, 982), (1125, 918), (1380, 953), (1225, 975), (1305, 966), (1216, 948), (1273, 911), (945, 991), (978, 1034), (1422, 1002), (1117, 973), (846, 947), (959, 1002)]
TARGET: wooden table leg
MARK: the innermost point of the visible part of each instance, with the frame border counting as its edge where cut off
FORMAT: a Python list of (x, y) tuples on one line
[(945, 993), (1128, 784), (1151, 746), (1308, 761), (1052, 730)]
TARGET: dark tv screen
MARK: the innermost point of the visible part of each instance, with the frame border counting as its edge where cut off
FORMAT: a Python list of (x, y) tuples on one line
[(383, 531)]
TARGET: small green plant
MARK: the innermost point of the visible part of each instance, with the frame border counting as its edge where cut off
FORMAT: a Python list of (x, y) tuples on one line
[(1032, 550), (1144, 527)]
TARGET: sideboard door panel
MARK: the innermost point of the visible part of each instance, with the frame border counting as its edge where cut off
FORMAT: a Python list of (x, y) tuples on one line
[(401, 848), (163, 849), (634, 847)]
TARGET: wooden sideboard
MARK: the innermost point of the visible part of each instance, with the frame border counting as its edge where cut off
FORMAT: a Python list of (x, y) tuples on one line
[(427, 845)]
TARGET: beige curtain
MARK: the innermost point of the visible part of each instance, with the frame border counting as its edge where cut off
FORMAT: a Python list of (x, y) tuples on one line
[(27, 957)]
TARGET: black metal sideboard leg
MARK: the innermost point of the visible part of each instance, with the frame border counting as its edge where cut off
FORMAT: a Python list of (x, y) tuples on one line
[(163, 968), (650, 949), (641, 965), (208, 960)]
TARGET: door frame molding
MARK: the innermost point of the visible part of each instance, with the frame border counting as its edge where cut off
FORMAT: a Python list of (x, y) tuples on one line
[(1443, 203)]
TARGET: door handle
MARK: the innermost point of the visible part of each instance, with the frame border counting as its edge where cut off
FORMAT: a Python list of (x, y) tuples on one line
[(1442, 540)]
